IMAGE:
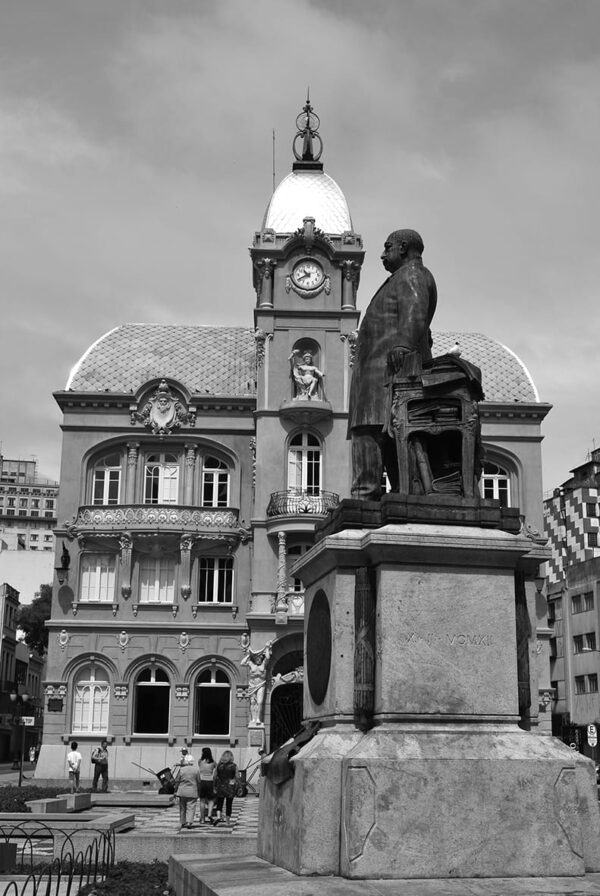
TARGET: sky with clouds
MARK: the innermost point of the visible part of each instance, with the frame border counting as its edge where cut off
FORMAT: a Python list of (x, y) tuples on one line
[(136, 164)]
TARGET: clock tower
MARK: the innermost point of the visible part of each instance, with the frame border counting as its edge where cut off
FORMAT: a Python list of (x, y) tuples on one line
[(306, 262)]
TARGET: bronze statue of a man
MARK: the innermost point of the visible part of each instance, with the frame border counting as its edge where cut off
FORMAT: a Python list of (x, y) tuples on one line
[(394, 334)]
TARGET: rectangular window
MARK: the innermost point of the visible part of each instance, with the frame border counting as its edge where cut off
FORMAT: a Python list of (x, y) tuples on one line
[(578, 644), (576, 603), (49, 503), (22, 502), (592, 682), (157, 580), (590, 509), (552, 648), (580, 684), (106, 486), (215, 488), (588, 600), (590, 641), (592, 539), (162, 484), (98, 576), (216, 580)]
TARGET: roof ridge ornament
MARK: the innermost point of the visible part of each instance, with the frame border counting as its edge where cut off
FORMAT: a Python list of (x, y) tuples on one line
[(307, 123)]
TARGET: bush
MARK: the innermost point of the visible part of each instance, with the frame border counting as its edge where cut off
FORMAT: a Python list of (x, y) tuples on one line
[(132, 879), (13, 798)]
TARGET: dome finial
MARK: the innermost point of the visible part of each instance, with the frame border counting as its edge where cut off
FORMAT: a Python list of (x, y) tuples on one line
[(307, 124)]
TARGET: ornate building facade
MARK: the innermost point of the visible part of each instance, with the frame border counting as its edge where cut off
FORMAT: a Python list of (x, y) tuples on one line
[(197, 462)]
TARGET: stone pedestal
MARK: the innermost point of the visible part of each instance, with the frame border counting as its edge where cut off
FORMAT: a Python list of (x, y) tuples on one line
[(445, 784)]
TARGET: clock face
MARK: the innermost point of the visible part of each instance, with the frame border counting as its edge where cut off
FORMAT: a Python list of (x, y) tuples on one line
[(308, 274)]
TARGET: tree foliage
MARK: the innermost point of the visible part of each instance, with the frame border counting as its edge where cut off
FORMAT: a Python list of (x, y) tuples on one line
[(31, 619)]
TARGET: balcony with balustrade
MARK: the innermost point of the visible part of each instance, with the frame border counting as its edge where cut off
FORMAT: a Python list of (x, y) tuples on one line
[(298, 510), (168, 518)]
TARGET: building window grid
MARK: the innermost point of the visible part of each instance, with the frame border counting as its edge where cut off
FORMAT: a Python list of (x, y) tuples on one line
[(304, 464), (157, 580), (215, 483), (495, 484), (98, 578), (213, 704), (586, 684), (161, 479), (216, 580)]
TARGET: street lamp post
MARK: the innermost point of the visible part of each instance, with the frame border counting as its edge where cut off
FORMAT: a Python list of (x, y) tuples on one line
[(21, 700)]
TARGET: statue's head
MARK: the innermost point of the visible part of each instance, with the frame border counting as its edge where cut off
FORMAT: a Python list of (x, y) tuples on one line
[(307, 357), (400, 246)]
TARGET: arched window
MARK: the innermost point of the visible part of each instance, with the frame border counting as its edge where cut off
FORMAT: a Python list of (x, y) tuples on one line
[(495, 483), (91, 701), (107, 479), (212, 710), (98, 577), (161, 479), (304, 463), (215, 483), (157, 579), (152, 702), (216, 580)]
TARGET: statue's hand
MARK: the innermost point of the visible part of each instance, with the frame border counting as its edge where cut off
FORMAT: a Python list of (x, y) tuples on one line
[(395, 358)]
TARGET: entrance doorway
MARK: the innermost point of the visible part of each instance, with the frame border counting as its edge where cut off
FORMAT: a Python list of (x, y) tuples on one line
[(286, 713)]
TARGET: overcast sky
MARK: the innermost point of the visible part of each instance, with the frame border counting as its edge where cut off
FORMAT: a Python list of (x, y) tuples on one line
[(135, 166)]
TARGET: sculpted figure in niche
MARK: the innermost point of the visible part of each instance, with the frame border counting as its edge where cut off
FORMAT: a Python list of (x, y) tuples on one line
[(394, 336), (307, 377), (257, 679)]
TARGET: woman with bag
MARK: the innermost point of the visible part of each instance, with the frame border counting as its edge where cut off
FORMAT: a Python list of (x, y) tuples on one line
[(187, 785), (226, 786), (206, 766)]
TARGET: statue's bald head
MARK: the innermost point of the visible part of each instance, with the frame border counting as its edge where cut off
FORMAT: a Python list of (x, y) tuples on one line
[(410, 238), (400, 247)]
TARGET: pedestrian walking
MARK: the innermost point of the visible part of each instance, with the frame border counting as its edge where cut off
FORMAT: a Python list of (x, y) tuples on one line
[(100, 763), (206, 767), (187, 784), (74, 759), (226, 786)]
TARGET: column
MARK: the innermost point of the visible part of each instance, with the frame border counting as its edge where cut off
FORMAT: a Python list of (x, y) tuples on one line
[(126, 544), (281, 599), (185, 547), (188, 481), (132, 461)]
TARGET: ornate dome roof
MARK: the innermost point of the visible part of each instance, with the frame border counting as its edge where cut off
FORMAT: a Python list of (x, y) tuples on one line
[(307, 193), (504, 377), (222, 361), (211, 360)]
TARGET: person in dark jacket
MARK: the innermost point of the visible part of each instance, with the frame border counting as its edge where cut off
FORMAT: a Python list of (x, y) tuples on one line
[(394, 333), (226, 785), (100, 763)]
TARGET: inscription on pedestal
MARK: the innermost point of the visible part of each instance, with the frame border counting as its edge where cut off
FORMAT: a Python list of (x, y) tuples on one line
[(448, 639)]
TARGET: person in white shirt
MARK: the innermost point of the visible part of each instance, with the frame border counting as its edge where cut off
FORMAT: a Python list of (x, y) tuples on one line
[(74, 766)]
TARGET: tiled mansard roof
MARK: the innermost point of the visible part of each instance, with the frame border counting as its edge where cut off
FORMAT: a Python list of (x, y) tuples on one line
[(221, 361)]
